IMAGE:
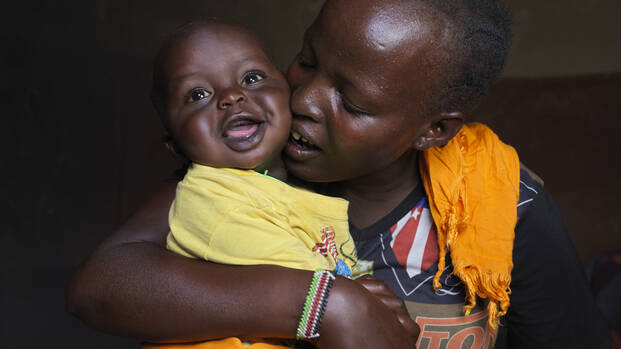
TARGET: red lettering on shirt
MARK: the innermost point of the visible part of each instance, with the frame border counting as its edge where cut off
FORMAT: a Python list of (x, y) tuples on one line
[(454, 332)]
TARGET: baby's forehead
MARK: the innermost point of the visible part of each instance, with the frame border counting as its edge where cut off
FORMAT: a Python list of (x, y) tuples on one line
[(215, 33), (207, 41)]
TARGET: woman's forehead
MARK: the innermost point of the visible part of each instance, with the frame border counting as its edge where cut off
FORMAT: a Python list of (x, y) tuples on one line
[(378, 30), (375, 47)]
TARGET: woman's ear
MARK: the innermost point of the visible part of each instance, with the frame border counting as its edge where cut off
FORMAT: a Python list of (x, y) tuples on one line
[(440, 130)]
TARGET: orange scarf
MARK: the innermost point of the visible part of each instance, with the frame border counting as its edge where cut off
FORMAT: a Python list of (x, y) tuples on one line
[(473, 189)]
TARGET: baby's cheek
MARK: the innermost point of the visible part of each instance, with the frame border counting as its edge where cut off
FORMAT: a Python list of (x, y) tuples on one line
[(195, 138), (195, 130), (276, 98)]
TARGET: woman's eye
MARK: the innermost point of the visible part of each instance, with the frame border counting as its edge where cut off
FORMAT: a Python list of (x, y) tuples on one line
[(351, 109), (252, 78), (198, 94)]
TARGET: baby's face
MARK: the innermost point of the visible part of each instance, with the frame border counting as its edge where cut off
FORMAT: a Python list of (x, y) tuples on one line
[(226, 103)]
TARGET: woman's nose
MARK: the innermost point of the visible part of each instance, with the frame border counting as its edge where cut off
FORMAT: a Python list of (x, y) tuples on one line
[(310, 98), (230, 98)]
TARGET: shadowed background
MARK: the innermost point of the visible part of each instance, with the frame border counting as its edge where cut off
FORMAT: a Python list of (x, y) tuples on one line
[(82, 146)]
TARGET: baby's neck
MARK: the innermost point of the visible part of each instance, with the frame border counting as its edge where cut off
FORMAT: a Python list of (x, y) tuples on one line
[(278, 170), (275, 168)]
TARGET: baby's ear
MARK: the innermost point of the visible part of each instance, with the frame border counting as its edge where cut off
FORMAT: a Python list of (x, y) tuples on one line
[(172, 147), (440, 130)]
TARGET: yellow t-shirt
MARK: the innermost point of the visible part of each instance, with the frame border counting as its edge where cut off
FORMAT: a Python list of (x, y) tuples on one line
[(241, 217)]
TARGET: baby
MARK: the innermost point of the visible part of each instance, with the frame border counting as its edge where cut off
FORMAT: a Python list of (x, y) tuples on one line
[(226, 108)]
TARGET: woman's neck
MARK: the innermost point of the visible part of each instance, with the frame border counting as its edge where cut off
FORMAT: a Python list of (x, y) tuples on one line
[(373, 196)]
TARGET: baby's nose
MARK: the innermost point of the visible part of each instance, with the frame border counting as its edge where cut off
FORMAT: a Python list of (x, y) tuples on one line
[(230, 98)]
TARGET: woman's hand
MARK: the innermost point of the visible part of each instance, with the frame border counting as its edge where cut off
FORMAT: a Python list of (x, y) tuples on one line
[(357, 318), (382, 292)]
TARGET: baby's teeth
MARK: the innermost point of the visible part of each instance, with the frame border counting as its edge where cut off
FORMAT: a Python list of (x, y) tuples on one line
[(306, 141)]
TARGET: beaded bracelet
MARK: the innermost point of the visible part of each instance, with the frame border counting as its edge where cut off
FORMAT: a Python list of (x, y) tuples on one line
[(315, 305)]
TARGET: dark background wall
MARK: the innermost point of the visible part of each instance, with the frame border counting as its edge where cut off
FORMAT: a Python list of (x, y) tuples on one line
[(81, 145)]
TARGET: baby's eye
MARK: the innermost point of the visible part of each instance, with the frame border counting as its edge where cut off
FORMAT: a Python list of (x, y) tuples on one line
[(198, 94), (252, 78)]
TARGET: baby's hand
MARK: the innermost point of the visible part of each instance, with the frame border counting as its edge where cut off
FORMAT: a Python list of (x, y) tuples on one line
[(382, 292)]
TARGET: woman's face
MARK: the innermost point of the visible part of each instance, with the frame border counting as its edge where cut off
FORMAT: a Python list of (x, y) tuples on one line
[(359, 89)]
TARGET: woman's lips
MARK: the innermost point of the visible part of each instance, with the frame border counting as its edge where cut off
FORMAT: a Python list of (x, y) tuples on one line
[(300, 148)]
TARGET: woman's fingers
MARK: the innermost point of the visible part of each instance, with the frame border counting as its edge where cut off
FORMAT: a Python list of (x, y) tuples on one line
[(410, 326), (383, 293), (355, 318), (381, 290)]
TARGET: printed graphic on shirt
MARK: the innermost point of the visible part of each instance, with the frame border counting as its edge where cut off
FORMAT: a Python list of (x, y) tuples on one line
[(328, 246), (405, 257), (413, 240), (529, 188), (363, 268), (444, 326), (348, 252)]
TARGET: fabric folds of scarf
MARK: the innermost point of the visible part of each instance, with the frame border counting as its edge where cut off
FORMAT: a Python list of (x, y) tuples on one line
[(473, 189)]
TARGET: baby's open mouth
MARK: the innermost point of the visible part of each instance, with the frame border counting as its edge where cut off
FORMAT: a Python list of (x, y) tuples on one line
[(301, 142), (241, 128), (243, 132)]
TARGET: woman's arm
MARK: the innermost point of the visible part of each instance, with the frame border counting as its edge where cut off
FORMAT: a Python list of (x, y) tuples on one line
[(132, 286)]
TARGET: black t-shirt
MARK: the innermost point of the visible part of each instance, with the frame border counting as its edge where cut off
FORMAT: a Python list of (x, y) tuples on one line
[(551, 305)]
